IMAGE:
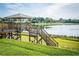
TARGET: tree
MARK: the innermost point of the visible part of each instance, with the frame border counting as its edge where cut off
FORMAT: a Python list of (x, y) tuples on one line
[(61, 20)]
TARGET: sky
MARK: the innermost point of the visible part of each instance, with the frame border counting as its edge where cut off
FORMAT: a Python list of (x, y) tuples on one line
[(53, 10)]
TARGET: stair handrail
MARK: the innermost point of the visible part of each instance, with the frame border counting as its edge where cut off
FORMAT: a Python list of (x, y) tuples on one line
[(49, 37)]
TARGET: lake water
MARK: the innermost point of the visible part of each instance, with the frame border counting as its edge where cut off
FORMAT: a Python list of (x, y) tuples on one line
[(68, 30)]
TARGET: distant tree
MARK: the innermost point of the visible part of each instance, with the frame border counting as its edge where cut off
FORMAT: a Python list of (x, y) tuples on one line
[(40, 19), (61, 20), (68, 21), (47, 19), (34, 20)]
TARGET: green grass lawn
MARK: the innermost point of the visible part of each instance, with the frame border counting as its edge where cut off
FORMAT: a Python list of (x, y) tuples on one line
[(12, 47), (68, 43)]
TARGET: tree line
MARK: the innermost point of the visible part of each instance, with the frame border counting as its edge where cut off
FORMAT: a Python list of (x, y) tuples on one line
[(51, 20)]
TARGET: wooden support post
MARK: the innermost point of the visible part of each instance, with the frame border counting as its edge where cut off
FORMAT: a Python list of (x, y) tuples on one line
[(20, 36), (29, 37), (41, 41), (36, 38), (9, 35), (34, 41), (6, 35), (16, 35)]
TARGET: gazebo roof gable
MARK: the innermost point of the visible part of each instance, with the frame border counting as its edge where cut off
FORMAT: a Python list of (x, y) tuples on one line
[(18, 16)]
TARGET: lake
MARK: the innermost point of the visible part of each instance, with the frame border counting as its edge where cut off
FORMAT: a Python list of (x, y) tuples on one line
[(68, 30)]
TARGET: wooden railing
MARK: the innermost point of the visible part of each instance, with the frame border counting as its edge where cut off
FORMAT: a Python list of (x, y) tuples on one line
[(45, 36)]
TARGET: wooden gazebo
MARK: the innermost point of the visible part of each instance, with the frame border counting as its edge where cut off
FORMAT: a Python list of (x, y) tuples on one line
[(14, 24), (17, 21)]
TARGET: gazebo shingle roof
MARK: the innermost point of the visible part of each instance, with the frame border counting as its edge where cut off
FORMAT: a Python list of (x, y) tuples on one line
[(19, 16)]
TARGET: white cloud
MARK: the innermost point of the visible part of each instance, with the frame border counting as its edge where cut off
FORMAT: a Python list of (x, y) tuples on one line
[(15, 8), (54, 10), (51, 10)]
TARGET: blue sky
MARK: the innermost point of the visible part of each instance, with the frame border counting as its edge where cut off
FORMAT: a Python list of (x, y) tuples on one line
[(54, 10)]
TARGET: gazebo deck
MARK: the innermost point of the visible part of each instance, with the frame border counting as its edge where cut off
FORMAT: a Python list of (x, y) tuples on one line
[(8, 30)]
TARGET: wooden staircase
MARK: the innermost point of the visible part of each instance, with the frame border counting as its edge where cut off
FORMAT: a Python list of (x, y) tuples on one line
[(44, 35), (47, 38)]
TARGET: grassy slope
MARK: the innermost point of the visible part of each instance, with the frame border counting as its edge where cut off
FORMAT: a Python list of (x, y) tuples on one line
[(13, 47), (68, 43)]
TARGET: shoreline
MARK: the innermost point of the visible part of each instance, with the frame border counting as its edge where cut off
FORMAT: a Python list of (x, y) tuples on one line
[(63, 36)]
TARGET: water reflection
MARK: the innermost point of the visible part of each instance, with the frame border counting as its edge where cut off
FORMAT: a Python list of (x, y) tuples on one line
[(68, 30)]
